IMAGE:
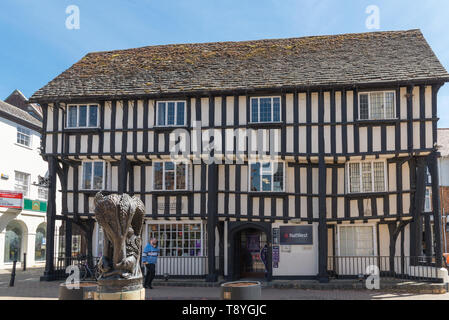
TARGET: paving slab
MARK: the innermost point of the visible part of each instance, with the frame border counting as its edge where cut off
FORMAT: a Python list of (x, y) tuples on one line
[(29, 287)]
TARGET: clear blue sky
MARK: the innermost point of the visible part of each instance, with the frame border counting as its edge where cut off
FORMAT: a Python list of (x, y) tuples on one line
[(37, 46)]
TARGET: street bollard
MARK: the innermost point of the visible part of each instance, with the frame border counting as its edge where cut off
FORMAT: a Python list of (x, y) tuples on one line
[(13, 274), (24, 261)]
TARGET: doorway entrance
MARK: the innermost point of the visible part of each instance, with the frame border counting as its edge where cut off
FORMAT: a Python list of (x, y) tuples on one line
[(248, 247)]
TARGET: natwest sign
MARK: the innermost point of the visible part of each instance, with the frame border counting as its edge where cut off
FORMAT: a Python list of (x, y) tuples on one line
[(301, 235), (11, 199)]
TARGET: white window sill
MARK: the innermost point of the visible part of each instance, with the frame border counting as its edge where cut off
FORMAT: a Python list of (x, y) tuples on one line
[(23, 146)]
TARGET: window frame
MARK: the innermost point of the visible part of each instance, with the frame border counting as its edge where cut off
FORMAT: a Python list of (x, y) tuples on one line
[(187, 165), (88, 105), (27, 194), (92, 176), (30, 136), (162, 244), (348, 177), (384, 92), (428, 196), (42, 189), (373, 227), (156, 120), (250, 163), (258, 110)]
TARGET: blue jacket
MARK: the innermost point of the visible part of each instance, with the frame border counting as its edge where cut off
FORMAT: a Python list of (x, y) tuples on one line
[(150, 254)]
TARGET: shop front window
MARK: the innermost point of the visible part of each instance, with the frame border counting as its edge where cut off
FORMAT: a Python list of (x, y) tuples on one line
[(100, 242), (39, 251), (13, 242), (187, 240)]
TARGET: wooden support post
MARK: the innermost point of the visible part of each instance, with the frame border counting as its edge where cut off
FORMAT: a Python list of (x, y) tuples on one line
[(433, 168), (51, 216), (417, 224), (322, 227), (68, 238), (212, 220), (123, 174)]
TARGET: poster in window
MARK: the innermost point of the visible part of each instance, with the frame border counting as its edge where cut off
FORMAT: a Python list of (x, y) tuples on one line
[(275, 255)]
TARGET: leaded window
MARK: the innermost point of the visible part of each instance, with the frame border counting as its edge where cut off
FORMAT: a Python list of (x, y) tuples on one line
[(367, 176), (187, 240), (356, 241), (377, 105)]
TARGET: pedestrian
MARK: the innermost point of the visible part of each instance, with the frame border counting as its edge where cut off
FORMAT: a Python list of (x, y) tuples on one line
[(263, 257), (150, 254)]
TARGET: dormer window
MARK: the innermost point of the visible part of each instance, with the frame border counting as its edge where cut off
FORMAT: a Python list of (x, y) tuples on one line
[(379, 105), (265, 109), (82, 116)]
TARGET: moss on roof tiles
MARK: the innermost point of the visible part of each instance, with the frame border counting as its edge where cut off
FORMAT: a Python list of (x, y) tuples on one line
[(318, 60)]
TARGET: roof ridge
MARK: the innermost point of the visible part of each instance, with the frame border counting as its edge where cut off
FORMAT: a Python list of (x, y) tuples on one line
[(370, 58), (24, 116), (257, 40)]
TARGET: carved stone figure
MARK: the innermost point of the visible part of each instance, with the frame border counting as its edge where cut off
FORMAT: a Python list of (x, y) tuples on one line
[(121, 218)]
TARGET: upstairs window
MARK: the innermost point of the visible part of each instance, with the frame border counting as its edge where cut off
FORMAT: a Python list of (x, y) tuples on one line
[(170, 176), (366, 176), (93, 175), (82, 116), (428, 200), (377, 105), (24, 136), (171, 113), (267, 177), (265, 110), (42, 193), (22, 183)]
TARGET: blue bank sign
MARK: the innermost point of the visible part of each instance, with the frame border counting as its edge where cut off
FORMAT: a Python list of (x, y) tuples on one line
[(296, 235)]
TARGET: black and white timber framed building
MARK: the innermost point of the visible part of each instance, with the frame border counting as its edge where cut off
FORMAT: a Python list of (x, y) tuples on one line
[(350, 120)]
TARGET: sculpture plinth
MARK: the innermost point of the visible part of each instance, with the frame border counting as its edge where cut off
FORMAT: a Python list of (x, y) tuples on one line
[(121, 218), (120, 289)]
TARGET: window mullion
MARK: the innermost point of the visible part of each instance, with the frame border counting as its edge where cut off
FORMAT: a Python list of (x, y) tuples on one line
[(369, 106), (174, 173), (176, 113), (92, 176), (361, 177), (163, 176)]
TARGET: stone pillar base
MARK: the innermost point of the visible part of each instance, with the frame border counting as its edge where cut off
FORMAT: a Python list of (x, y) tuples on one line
[(120, 289)]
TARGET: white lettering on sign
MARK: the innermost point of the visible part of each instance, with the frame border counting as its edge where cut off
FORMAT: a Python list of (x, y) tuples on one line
[(298, 235)]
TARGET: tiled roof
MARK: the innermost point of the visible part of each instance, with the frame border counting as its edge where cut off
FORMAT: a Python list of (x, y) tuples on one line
[(348, 59), (18, 115)]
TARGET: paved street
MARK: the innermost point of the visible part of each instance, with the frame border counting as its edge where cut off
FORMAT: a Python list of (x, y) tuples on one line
[(27, 286)]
